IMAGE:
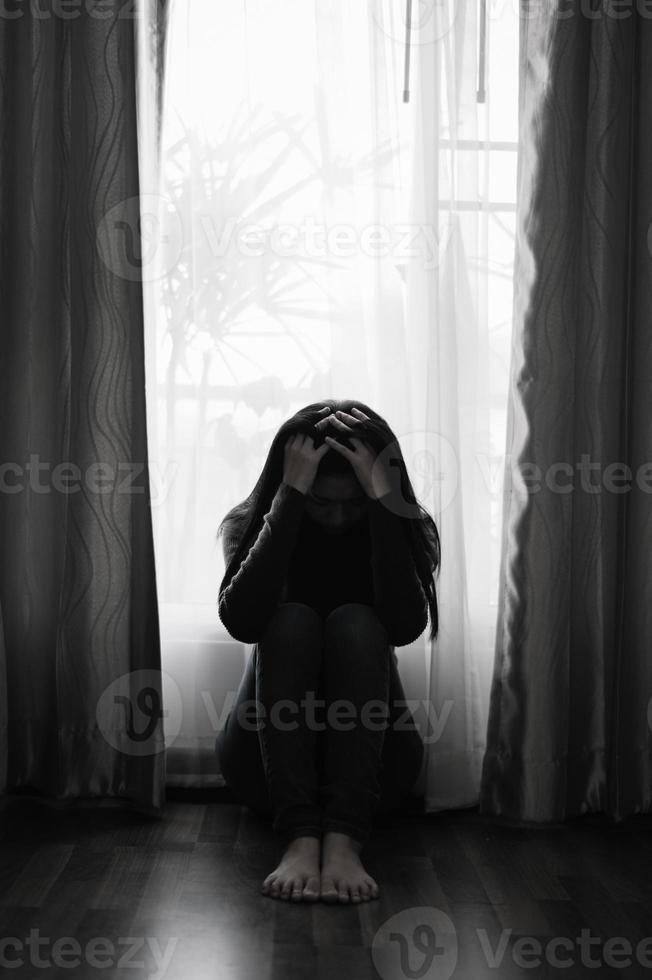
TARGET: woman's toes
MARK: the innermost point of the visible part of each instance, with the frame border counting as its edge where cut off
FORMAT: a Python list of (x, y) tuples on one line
[(267, 884), (296, 890), (297, 871), (373, 889), (343, 892), (311, 889), (286, 889), (355, 894), (328, 891)]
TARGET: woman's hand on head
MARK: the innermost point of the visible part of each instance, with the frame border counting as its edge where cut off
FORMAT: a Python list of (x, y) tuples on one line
[(363, 458), (301, 459)]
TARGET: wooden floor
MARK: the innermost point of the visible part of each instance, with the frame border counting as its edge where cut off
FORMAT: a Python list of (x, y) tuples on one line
[(188, 887)]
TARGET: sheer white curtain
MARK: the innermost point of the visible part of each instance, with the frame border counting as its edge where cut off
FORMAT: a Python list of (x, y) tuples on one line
[(320, 237)]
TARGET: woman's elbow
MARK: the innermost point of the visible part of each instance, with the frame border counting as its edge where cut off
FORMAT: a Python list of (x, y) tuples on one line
[(244, 634), (401, 636), (240, 628)]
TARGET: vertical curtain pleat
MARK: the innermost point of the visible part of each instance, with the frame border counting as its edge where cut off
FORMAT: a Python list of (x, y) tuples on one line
[(569, 726), (77, 576)]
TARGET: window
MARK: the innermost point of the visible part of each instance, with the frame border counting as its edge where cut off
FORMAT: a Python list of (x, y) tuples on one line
[(250, 299)]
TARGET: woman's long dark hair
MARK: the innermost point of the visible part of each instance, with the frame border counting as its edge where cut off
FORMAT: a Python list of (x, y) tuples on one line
[(244, 521)]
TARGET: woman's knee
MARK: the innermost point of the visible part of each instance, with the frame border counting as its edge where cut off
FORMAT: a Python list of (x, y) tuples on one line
[(293, 636), (292, 619), (356, 620)]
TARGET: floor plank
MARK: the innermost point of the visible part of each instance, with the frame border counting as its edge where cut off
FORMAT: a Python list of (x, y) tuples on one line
[(187, 888)]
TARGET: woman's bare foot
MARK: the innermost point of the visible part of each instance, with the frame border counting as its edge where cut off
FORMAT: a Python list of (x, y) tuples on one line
[(297, 874), (343, 877)]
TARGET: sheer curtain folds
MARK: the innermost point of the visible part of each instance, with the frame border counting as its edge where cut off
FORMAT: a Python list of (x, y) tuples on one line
[(319, 237)]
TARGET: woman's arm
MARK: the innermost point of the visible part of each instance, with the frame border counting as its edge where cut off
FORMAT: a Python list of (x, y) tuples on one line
[(246, 604), (400, 599)]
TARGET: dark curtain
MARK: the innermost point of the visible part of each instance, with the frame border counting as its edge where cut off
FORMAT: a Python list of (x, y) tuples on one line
[(81, 706), (570, 714)]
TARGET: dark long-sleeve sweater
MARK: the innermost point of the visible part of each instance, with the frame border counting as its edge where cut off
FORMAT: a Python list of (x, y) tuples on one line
[(293, 559)]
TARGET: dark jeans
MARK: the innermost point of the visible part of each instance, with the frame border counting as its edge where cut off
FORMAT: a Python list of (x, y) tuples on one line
[(320, 768)]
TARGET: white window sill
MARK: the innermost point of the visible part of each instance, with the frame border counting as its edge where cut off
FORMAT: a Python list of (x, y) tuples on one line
[(196, 620)]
